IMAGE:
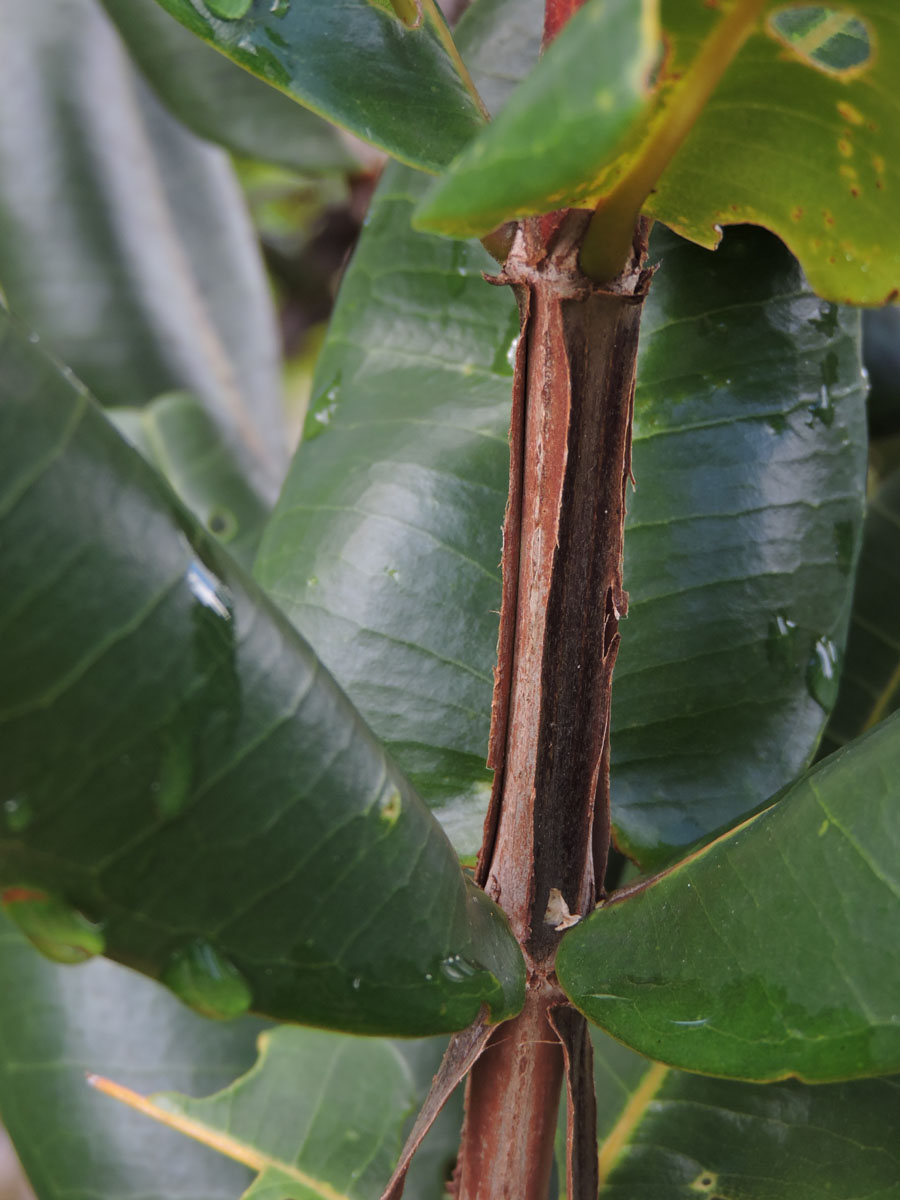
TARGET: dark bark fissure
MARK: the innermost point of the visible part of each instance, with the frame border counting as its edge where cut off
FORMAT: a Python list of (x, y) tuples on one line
[(547, 830)]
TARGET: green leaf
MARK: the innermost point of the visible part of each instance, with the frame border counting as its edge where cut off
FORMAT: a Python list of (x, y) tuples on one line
[(400, 86), (219, 100), (726, 966), (177, 435), (56, 1024), (337, 1138), (749, 402), (798, 136), (671, 1135), (572, 112), (870, 685), (181, 774), (319, 1116), (385, 544), (124, 241)]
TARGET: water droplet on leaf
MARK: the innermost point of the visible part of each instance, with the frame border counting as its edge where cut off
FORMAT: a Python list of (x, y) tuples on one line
[(17, 814), (458, 969), (823, 673), (229, 10), (209, 590), (59, 931), (504, 362), (207, 981), (781, 643)]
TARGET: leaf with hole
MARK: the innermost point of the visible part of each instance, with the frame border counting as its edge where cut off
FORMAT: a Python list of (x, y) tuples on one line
[(799, 135)]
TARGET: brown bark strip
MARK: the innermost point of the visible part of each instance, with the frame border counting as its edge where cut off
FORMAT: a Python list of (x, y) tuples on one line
[(548, 824), (510, 574), (464, 1050), (559, 622), (582, 1164), (512, 1097)]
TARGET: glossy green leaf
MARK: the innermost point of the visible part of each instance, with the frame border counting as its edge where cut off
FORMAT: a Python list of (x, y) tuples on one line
[(400, 86), (180, 770), (385, 544), (749, 402), (124, 240), (727, 966), (792, 139), (319, 1116), (870, 685), (219, 100), (57, 1024), (573, 112), (671, 1135), (177, 435)]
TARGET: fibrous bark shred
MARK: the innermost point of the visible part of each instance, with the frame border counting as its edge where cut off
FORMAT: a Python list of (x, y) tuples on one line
[(547, 829)]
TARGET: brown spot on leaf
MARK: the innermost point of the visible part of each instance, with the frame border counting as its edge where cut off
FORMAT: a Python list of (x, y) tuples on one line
[(849, 112), (845, 147)]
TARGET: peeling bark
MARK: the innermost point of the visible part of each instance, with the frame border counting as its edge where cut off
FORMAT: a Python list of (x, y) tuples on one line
[(546, 834), (547, 829)]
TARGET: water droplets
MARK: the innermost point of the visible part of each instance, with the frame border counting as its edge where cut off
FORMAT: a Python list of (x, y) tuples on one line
[(781, 643), (457, 969), (54, 927), (823, 672), (504, 362), (16, 814), (209, 590), (323, 410), (229, 10), (207, 981)]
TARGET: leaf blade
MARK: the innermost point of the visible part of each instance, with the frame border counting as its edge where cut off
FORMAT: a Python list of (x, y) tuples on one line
[(401, 598), (221, 102), (59, 1023), (801, 150), (358, 65), (804, 997), (134, 316), (229, 695)]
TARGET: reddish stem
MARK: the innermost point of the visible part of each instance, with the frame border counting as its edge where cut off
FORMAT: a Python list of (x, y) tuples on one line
[(556, 13)]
